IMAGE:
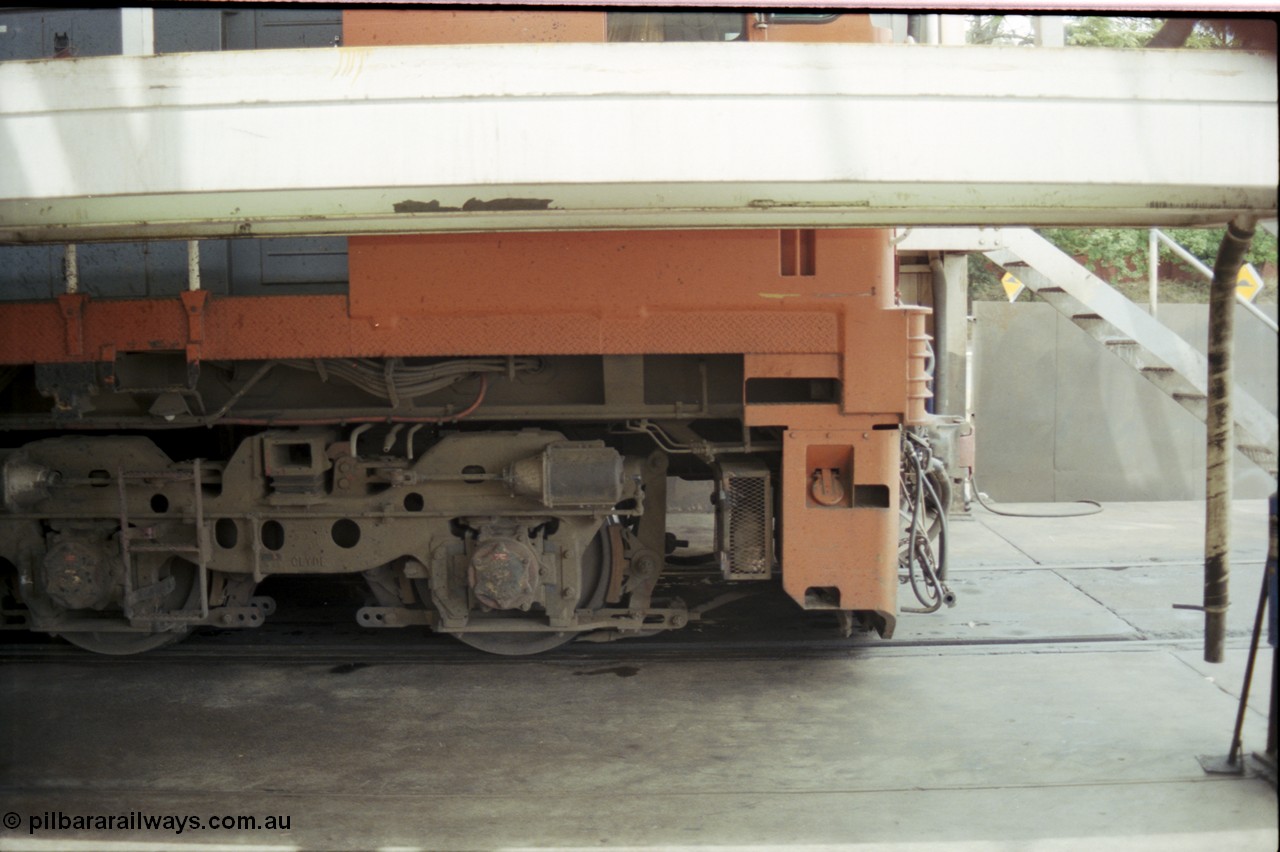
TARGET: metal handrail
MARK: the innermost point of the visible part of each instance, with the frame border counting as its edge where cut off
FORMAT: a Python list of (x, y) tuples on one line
[(1204, 270)]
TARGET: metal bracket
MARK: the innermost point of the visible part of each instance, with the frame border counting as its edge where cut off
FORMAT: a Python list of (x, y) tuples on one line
[(393, 616), (237, 616), (193, 302), (127, 549), (264, 603), (71, 306), (647, 559), (146, 593)]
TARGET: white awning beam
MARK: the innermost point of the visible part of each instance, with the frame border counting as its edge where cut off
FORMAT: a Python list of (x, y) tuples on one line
[(593, 136)]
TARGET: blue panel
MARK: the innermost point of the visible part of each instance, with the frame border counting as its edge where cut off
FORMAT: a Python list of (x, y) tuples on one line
[(30, 272), (44, 33), (310, 265), (304, 265), (188, 30)]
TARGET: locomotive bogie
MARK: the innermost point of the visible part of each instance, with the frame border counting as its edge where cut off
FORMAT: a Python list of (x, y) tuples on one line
[(486, 524)]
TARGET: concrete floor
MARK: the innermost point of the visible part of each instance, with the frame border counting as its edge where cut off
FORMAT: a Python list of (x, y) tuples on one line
[(1085, 743)]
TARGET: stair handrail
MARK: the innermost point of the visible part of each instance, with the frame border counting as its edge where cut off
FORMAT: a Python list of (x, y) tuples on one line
[(1199, 265), (1162, 342)]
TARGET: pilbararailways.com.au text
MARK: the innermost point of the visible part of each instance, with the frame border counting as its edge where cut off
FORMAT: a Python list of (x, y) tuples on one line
[(142, 821)]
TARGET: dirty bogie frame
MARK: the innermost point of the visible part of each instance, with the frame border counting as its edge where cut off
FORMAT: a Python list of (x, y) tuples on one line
[(490, 528)]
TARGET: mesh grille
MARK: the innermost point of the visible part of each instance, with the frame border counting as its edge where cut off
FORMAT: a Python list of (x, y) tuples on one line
[(746, 522), (748, 553)]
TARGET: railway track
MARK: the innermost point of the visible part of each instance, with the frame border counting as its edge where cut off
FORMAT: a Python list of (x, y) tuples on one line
[(315, 625), (439, 650), (304, 644)]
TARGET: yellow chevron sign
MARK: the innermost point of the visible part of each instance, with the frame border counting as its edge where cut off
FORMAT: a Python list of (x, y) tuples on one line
[(1248, 283), (1012, 286)]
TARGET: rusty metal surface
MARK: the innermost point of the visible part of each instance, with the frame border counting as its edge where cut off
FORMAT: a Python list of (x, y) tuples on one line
[(842, 556), (240, 328), (420, 26)]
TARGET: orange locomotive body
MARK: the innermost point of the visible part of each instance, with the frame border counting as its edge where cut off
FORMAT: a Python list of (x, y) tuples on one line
[(483, 425)]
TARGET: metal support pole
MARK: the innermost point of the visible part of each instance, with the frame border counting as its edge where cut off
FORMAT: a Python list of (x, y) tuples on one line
[(1233, 764), (1050, 30), (1219, 438), (138, 31), (70, 269), (932, 29), (941, 345), (952, 29), (1153, 269), (193, 265)]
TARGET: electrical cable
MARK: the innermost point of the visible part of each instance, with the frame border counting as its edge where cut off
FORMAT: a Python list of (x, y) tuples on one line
[(382, 418), (942, 529), (928, 583), (395, 381), (1096, 507)]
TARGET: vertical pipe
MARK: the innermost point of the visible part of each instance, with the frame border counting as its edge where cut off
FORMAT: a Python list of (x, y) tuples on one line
[(1219, 435), (193, 265), (932, 29), (1050, 30), (138, 31), (1273, 556), (941, 345), (1153, 269), (70, 269)]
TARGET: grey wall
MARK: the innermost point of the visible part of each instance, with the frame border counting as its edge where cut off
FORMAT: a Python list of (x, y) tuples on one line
[(1059, 418)]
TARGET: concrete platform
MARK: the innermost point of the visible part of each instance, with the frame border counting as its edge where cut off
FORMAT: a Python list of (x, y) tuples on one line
[(1060, 705)]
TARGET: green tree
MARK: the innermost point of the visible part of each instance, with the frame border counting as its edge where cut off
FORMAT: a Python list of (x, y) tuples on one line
[(1119, 256), (994, 29), (1110, 31)]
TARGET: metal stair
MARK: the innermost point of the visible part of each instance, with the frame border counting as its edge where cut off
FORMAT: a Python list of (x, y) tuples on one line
[(1131, 334)]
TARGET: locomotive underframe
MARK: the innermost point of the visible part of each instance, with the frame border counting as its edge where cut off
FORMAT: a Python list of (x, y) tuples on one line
[(771, 363), (452, 521)]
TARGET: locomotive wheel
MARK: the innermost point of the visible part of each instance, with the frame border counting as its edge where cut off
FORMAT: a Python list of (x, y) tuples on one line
[(596, 559), (121, 644), (185, 595)]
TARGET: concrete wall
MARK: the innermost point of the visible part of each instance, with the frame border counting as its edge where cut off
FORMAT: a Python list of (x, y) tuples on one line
[(1059, 418)]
